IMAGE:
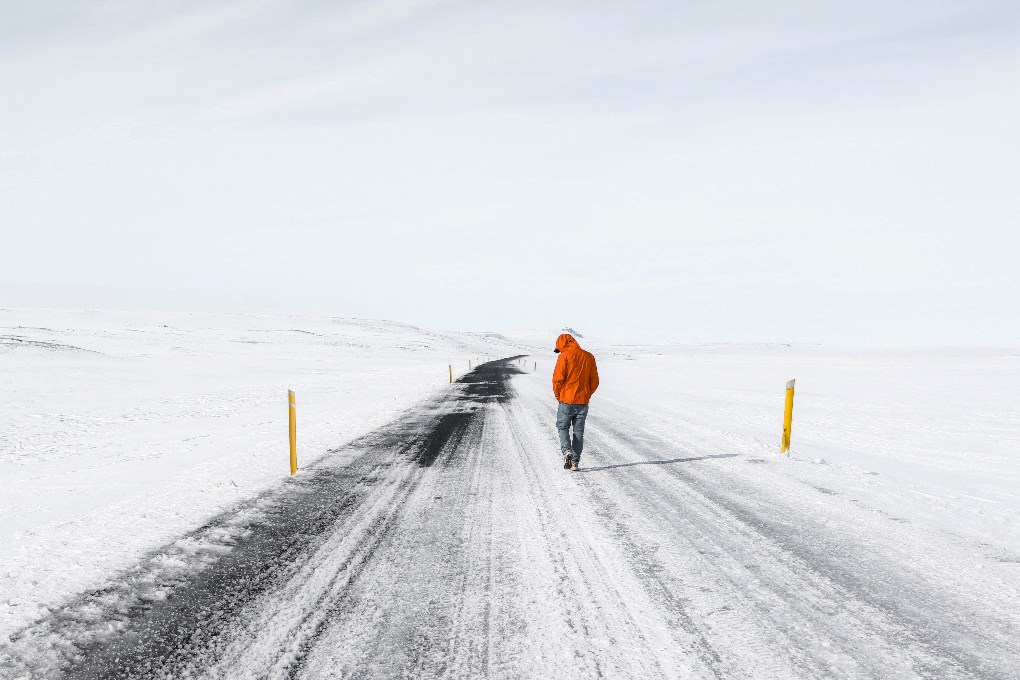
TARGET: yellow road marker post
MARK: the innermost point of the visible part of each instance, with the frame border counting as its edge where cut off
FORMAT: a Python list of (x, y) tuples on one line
[(788, 417), (451, 374), (292, 407)]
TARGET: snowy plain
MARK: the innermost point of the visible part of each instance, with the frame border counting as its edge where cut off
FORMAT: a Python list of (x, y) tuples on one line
[(126, 430)]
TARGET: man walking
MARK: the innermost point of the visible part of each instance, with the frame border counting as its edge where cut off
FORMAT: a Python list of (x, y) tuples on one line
[(575, 379)]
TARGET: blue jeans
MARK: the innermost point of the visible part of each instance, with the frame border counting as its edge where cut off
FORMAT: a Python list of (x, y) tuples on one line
[(567, 415)]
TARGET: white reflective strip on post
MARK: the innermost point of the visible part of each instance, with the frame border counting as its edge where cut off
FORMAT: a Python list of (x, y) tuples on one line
[(789, 385)]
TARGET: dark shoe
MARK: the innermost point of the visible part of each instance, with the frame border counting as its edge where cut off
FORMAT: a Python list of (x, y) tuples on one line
[(573, 466), (567, 460)]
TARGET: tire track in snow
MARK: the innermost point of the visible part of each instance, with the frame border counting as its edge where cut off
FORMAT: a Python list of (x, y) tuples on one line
[(472, 649), (763, 613), (396, 619), (614, 629), (872, 604), (694, 642)]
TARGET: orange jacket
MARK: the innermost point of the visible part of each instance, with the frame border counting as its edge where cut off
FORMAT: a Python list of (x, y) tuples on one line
[(575, 377)]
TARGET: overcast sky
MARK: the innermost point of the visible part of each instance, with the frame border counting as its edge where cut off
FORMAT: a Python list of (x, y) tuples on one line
[(839, 172)]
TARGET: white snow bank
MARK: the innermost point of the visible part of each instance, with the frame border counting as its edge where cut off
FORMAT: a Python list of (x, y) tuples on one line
[(123, 430)]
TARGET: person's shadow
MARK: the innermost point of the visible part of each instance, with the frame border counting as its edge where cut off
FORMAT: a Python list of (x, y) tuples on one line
[(658, 462)]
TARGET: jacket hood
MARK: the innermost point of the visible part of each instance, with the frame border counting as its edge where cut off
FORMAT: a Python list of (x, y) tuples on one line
[(565, 341)]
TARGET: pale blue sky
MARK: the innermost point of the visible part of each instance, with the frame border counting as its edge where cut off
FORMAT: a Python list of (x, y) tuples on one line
[(839, 172)]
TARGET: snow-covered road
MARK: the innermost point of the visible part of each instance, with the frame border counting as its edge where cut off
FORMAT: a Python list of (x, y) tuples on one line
[(451, 543)]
